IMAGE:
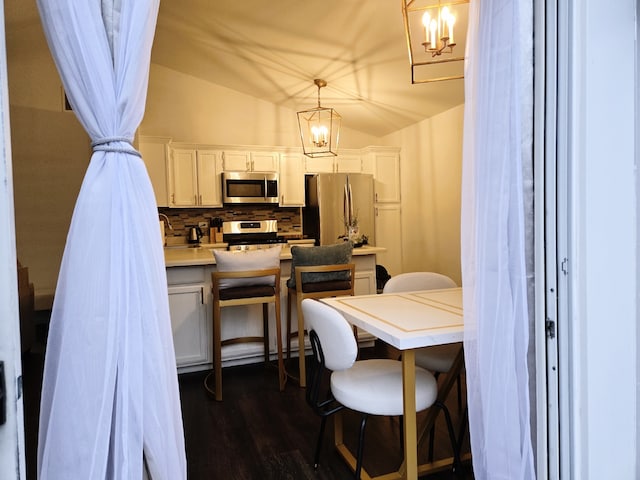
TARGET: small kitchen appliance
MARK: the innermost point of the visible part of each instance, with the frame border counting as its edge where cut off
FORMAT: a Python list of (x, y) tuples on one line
[(195, 234)]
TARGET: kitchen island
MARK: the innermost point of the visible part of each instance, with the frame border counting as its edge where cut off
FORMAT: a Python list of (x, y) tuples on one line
[(190, 302)]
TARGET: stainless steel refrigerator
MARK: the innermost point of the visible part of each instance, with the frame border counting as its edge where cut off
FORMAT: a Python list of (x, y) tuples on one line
[(334, 201)]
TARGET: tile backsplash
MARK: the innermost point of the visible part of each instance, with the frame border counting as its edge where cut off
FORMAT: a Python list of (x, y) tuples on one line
[(289, 219)]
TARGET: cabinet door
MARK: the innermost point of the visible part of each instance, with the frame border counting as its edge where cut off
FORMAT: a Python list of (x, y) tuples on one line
[(264, 161), (236, 161), (183, 185), (319, 164), (291, 180), (348, 163), (209, 181), (389, 235), (154, 154), (189, 324), (387, 177)]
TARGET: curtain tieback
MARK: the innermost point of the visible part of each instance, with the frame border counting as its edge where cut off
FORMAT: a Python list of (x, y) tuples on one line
[(102, 144)]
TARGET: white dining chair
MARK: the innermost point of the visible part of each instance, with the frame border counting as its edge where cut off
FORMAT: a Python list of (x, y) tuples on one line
[(438, 358), (353, 383)]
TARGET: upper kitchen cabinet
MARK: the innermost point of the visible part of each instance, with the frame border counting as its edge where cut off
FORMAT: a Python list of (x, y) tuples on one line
[(347, 161), (385, 162), (154, 155), (250, 161), (194, 177), (292, 180)]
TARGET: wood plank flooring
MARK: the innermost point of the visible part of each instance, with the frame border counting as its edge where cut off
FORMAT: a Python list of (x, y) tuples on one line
[(258, 432)]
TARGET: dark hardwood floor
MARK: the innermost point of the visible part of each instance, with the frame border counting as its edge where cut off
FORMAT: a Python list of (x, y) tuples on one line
[(258, 432)]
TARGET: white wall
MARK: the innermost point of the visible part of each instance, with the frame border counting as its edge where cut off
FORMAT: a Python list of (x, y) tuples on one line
[(599, 368), (192, 110), (430, 170)]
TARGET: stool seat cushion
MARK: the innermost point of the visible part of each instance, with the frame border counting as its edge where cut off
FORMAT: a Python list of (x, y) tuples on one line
[(375, 387), (234, 261), (250, 291), (337, 254), (312, 287)]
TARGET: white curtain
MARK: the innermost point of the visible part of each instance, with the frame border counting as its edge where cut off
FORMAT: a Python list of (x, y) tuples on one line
[(496, 208), (110, 392)]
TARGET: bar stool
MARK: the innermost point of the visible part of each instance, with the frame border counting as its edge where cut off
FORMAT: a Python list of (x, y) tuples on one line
[(316, 272), (232, 287)]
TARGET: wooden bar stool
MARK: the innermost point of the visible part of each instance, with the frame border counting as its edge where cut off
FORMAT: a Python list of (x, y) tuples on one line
[(316, 272), (244, 287)]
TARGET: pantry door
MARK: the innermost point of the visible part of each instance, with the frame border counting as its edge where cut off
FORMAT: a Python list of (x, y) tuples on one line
[(12, 463)]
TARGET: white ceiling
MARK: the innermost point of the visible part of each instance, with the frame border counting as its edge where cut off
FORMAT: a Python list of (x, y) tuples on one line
[(274, 49)]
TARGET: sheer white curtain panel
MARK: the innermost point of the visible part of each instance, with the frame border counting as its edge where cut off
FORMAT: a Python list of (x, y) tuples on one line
[(110, 406), (497, 146)]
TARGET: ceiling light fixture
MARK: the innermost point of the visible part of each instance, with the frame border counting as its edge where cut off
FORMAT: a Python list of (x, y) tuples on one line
[(319, 128), (429, 28)]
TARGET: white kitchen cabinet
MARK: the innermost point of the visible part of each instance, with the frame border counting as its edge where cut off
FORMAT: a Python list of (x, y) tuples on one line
[(389, 235), (250, 161), (348, 161), (209, 166), (386, 172), (183, 182), (190, 324), (154, 155), (319, 164), (291, 180), (194, 179)]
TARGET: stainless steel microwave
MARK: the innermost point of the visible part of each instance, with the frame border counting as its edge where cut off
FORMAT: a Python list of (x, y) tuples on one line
[(249, 187)]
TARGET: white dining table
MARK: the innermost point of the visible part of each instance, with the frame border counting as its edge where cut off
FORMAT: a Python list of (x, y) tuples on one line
[(407, 321)]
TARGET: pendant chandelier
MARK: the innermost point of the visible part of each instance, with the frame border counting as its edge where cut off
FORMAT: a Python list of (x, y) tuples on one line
[(432, 36), (319, 128)]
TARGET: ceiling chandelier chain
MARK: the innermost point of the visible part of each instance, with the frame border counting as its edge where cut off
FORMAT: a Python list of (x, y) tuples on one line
[(319, 83)]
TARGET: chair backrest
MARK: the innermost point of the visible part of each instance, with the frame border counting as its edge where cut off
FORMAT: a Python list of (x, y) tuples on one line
[(337, 254), (336, 335), (407, 282), (245, 261)]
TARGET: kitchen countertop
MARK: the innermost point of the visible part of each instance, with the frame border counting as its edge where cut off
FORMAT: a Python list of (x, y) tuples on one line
[(190, 256)]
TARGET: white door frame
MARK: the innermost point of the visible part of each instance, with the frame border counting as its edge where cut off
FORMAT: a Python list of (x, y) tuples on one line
[(12, 459)]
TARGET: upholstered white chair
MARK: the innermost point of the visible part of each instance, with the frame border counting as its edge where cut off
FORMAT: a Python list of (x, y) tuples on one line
[(245, 278), (438, 358), (352, 382)]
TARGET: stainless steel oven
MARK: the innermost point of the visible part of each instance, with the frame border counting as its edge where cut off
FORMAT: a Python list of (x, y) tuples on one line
[(249, 187)]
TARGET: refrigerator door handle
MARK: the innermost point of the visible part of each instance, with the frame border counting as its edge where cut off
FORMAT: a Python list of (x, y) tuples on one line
[(351, 215), (345, 206)]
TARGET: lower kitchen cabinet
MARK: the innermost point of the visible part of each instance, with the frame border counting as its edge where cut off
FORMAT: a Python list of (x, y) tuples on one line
[(190, 324)]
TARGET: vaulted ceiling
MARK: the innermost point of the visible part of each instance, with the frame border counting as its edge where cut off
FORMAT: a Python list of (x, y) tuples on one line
[(274, 49)]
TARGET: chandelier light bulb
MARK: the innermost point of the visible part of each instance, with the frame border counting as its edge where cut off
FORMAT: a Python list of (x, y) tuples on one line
[(451, 22), (426, 21)]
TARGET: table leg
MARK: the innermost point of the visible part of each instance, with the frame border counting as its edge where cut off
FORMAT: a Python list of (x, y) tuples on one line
[(409, 400)]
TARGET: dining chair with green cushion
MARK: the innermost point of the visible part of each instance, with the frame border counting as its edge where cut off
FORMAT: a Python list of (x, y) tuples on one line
[(316, 272), (370, 387)]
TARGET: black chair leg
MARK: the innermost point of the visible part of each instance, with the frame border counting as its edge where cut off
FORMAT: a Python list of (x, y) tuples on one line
[(363, 424), (316, 457), (452, 436)]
